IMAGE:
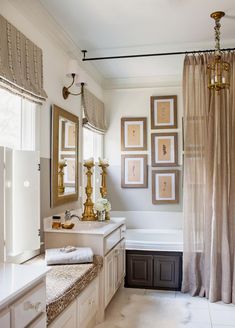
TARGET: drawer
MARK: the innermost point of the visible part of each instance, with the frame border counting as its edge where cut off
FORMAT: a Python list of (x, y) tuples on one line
[(88, 304), (40, 322), (5, 319), (111, 240), (30, 306)]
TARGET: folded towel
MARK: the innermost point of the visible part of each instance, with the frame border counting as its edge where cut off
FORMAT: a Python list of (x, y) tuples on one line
[(62, 256)]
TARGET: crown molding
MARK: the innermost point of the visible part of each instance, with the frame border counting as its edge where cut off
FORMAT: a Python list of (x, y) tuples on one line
[(35, 12)]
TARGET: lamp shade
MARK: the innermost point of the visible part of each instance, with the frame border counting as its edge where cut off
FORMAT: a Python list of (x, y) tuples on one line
[(72, 67)]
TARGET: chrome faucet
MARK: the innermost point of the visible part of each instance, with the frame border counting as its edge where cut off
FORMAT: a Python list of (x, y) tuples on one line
[(68, 216)]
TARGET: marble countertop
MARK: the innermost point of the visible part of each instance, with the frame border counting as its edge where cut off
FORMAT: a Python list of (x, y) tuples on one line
[(87, 227), (15, 278)]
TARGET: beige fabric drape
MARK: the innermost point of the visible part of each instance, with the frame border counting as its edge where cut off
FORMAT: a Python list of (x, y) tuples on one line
[(94, 112), (209, 183), (21, 68)]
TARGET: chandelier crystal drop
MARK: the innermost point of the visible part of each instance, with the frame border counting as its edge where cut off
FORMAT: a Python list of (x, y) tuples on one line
[(218, 70)]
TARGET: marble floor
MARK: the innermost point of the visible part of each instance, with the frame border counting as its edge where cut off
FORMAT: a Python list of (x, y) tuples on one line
[(140, 308)]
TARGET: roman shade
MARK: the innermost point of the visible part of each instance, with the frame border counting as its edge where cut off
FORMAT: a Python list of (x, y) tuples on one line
[(94, 112), (21, 69)]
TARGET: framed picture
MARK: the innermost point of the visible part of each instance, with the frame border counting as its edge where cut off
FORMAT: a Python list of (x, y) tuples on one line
[(165, 187), (133, 133), (69, 170), (164, 149), (163, 112), (134, 171), (68, 136)]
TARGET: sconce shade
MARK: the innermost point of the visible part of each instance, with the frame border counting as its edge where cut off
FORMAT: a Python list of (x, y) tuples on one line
[(72, 68)]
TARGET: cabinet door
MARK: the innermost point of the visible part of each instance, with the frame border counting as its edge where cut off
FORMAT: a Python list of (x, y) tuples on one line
[(5, 319), (109, 277), (139, 270), (166, 271)]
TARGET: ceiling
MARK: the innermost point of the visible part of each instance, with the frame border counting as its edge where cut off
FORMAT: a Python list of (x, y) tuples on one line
[(116, 27)]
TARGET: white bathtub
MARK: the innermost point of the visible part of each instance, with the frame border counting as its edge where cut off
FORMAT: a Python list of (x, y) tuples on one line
[(154, 240)]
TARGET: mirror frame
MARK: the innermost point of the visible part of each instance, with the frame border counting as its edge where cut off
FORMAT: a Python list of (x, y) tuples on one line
[(56, 113)]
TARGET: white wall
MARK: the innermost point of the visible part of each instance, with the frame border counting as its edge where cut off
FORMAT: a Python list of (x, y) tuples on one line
[(35, 25), (55, 61), (136, 204)]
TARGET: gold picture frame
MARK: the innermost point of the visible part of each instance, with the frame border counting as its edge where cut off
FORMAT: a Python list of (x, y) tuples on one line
[(133, 133), (163, 112), (164, 149), (134, 171), (165, 187)]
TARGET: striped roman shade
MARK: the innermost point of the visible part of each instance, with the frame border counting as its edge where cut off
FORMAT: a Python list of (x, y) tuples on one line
[(94, 112), (21, 68)]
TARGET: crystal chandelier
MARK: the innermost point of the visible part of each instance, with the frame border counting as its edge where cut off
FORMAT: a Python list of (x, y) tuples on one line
[(218, 70)]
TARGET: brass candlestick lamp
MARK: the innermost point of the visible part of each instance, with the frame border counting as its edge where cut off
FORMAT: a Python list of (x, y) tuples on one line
[(88, 212), (218, 70), (103, 164), (61, 187)]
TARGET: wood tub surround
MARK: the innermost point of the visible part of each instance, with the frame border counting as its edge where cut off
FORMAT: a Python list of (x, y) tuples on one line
[(153, 269)]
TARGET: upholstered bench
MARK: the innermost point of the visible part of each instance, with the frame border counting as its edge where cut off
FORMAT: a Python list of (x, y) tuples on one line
[(65, 282)]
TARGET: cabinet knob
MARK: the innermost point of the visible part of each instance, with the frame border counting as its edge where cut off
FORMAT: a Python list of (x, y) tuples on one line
[(37, 306)]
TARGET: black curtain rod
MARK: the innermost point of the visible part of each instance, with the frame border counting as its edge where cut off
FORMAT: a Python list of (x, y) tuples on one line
[(152, 55)]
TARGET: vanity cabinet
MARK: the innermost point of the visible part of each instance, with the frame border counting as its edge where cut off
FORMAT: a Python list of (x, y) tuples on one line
[(23, 296), (114, 270), (83, 311), (153, 269)]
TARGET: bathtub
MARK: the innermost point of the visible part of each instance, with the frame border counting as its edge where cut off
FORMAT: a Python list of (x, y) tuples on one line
[(154, 240)]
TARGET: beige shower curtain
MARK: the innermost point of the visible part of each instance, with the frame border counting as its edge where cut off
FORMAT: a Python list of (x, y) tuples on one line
[(209, 183)]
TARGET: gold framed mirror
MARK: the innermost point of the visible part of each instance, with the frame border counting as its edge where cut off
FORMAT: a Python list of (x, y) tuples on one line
[(64, 157)]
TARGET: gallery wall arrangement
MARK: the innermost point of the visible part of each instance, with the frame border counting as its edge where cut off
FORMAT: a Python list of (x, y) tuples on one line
[(164, 151)]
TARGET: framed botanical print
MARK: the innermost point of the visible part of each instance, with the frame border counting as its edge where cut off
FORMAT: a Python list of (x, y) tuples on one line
[(164, 149), (165, 187), (163, 112), (133, 133), (134, 171)]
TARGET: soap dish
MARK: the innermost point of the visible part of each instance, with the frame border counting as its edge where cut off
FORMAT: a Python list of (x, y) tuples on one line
[(67, 225)]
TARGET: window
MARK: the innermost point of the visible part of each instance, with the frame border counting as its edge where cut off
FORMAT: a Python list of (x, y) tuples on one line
[(17, 122), (20, 188), (93, 147)]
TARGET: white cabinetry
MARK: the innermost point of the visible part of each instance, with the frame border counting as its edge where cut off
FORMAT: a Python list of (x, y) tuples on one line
[(114, 270), (22, 296), (82, 312), (29, 307), (5, 319)]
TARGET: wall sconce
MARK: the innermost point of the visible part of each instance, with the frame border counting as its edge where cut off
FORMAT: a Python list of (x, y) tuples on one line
[(72, 72)]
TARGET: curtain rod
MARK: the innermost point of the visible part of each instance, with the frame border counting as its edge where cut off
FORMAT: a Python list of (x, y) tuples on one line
[(152, 55)]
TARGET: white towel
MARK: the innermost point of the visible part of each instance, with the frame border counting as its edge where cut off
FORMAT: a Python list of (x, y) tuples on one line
[(61, 256)]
